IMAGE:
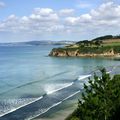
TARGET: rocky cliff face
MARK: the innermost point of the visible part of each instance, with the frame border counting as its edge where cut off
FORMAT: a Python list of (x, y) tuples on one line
[(77, 53), (63, 53)]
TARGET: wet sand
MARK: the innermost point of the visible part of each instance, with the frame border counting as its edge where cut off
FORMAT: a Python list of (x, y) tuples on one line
[(60, 115)]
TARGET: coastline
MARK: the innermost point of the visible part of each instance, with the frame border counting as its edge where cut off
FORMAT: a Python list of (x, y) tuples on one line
[(90, 48), (62, 111), (86, 52), (60, 114), (74, 54)]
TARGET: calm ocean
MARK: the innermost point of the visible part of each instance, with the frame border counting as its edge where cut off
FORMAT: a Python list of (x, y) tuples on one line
[(31, 83)]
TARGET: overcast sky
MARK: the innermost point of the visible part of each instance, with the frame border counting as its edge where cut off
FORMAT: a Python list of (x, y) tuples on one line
[(25, 20)]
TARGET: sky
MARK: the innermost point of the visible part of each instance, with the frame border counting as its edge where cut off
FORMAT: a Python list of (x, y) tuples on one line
[(29, 20)]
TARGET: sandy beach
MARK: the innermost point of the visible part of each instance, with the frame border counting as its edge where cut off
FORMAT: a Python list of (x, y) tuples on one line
[(61, 115)]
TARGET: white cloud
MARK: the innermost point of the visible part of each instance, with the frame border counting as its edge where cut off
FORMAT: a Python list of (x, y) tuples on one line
[(106, 11), (12, 17), (65, 12), (81, 20), (72, 20), (2, 4), (86, 17), (45, 14), (43, 11), (105, 16), (84, 5), (44, 21)]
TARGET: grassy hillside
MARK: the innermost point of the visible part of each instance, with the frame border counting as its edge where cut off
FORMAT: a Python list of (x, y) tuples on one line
[(100, 45), (100, 41), (93, 49)]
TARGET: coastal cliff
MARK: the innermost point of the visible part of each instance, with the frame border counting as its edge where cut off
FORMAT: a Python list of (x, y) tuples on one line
[(78, 53), (93, 48)]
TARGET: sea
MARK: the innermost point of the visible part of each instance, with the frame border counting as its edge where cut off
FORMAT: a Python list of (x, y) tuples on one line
[(34, 85)]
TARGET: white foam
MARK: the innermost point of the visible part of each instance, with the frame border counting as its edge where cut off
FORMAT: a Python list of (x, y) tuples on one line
[(83, 77), (9, 104), (32, 117), (53, 91), (44, 111), (71, 95), (50, 92), (9, 111)]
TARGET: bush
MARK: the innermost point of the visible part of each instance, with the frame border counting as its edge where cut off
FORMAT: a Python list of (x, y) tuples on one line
[(100, 100)]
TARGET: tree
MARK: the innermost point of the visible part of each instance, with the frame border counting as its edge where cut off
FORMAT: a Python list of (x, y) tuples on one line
[(103, 37), (98, 43), (100, 99)]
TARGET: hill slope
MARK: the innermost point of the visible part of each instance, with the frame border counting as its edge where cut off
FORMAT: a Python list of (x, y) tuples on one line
[(104, 46)]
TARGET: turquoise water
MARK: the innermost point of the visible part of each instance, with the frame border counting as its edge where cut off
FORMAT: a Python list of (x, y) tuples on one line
[(26, 73)]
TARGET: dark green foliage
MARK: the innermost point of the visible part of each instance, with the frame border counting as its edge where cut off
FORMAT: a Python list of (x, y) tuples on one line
[(98, 43), (83, 42), (100, 100), (87, 43), (117, 37), (90, 50), (104, 37)]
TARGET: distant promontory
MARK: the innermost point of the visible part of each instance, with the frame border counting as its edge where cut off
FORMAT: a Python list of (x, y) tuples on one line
[(104, 46)]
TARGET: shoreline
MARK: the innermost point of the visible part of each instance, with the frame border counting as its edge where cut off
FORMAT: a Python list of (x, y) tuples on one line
[(116, 56), (62, 111), (76, 53), (61, 114)]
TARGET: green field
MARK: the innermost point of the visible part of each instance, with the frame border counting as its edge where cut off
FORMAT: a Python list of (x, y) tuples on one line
[(112, 44)]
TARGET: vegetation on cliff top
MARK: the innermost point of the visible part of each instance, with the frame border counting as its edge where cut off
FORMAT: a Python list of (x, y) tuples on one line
[(98, 45), (100, 99), (90, 50)]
